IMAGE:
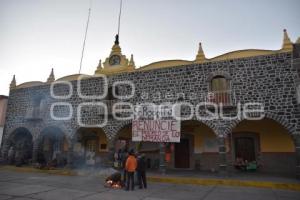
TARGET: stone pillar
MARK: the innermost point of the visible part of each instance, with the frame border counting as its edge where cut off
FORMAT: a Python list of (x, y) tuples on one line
[(162, 164), (35, 150), (70, 155), (222, 156), (110, 155), (4, 149), (297, 151)]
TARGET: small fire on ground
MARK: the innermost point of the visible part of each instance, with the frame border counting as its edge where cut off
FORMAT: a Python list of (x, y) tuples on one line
[(114, 181)]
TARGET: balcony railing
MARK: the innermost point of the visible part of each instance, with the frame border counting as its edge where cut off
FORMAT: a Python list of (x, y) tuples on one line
[(226, 97)]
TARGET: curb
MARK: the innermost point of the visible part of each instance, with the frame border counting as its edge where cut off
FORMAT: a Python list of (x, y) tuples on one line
[(209, 182), (174, 180), (44, 171)]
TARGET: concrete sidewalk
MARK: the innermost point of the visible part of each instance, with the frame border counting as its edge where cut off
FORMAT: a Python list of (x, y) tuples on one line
[(28, 186)]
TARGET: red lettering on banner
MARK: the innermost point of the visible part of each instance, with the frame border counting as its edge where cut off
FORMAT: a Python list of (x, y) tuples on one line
[(156, 130)]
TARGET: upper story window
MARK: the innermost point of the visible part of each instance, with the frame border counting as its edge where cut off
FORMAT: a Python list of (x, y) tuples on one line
[(219, 84), (36, 111), (220, 89)]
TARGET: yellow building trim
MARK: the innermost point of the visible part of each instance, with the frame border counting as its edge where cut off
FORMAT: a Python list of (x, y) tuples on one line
[(126, 66), (227, 56), (164, 64), (202, 135), (72, 77), (226, 182), (272, 136), (115, 70), (29, 84), (242, 54)]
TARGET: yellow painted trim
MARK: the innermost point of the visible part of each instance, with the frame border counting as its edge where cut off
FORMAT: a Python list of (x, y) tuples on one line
[(242, 54), (39, 83), (227, 56), (29, 84), (72, 77), (115, 70), (164, 64), (226, 182), (125, 68), (35, 170)]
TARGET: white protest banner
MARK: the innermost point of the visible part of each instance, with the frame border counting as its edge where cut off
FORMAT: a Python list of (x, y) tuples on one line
[(155, 123)]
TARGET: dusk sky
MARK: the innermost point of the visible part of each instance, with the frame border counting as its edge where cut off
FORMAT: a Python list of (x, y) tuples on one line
[(37, 35)]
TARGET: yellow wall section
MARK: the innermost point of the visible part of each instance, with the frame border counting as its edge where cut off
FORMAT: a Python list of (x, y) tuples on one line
[(201, 134), (101, 135), (273, 137)]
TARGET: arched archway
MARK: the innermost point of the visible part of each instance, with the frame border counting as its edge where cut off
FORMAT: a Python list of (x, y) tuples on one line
[(266, 142), (197, 149), (20, 146), (123, 142), (53, 147), (201, 147), (91, 147)]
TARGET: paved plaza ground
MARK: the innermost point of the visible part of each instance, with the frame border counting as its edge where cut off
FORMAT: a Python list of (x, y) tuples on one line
[(23, 186)]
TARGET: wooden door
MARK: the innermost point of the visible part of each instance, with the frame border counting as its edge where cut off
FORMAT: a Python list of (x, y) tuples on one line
[(245, 148), (182, 154)]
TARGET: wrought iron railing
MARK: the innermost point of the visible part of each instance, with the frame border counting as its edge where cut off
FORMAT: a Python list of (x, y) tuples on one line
[(226, 97)]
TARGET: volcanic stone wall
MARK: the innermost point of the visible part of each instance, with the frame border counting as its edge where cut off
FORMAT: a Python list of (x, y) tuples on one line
[(269, 80)]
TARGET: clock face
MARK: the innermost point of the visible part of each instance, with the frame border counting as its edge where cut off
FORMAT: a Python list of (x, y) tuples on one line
[(114, 60)]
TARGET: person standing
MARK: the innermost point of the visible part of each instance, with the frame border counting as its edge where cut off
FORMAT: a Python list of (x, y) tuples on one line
[(141, 172), (131, 165), (124, 159)]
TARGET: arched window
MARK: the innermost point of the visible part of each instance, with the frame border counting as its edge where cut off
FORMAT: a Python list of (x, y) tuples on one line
[(220, 90), (36, 110), (219, 83)]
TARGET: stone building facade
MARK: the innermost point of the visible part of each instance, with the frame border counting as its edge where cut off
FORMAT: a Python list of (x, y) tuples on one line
[(3, 105), (266, 77)]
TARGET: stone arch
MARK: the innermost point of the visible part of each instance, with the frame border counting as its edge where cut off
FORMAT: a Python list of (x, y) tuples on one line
[(52, 144), (118, 128), (203, 139), (218, 73), (211, 124), (270, 142), (90, 146), (19, 145), (284, 123), (75, 136), (9, 131)]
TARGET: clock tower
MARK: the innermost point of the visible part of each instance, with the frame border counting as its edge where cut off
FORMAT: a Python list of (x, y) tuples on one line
[(116, 62)]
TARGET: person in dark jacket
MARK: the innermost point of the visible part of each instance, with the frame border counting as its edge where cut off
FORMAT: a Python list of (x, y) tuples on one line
[(124, 158), (141, 172)]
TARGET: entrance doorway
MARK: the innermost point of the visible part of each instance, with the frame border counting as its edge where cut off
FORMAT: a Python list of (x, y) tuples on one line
[(245, 148), (90, 147), (182, 154), (90, 151)]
